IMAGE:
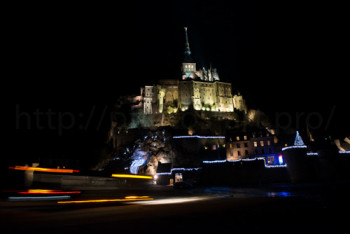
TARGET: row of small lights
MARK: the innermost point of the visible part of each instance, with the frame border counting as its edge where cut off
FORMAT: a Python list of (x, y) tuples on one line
[(178, 169), (199, 137), (245, 160), (236, 160), (316, 154), (294, 147), (312, 154)]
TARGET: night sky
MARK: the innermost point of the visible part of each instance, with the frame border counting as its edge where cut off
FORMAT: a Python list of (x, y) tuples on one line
[(282, 56)]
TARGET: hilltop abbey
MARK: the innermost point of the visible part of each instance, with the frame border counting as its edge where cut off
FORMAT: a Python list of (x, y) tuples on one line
[(200, 90)]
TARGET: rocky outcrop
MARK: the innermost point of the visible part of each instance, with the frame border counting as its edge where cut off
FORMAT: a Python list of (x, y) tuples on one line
[(147, 152)]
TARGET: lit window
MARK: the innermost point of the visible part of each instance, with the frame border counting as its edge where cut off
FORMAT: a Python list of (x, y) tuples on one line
[(280, 159), (271, 159), (245, 138), (178, 177), (255, 144), (237, 138), (268, 143), (261, 143), (230, 146)]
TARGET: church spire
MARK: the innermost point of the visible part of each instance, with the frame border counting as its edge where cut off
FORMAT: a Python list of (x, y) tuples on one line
[(187, 50), (188, 65)]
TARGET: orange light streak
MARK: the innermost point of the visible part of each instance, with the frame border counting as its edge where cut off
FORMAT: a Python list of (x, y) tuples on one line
[(130, 198), (43, 191), (24, 168)]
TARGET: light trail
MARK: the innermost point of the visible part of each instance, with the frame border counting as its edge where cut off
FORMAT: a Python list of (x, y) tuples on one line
[(38, 198), (45, 191), (128, 198), (172, 200), (41, 169), (132, 176)]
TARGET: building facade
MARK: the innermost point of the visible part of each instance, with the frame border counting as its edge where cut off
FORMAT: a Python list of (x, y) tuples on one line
[(200, 90), (252, 145)]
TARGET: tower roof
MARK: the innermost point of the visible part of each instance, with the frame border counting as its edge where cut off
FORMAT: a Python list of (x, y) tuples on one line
[(188, 58)]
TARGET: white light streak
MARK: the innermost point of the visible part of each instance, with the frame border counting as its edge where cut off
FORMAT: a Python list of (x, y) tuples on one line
[(245, 159), (178, 169), (200, 137), (275, 166), (171, 201), (294, 147), (38, 198), (164, 173), (217, 161), (185, 169)]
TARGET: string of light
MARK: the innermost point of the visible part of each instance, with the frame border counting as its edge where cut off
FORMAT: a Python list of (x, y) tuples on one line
[(199, 137), (178, 169), (294, 147), (245, 160)]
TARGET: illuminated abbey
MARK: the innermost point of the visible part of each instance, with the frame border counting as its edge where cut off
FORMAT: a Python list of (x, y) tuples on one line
[(199, 90)]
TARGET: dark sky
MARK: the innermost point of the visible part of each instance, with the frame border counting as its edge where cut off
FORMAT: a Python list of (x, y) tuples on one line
[(282, 55)]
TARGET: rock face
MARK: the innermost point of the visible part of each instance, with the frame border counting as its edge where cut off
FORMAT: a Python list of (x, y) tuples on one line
[(153, 148), (139, 158)]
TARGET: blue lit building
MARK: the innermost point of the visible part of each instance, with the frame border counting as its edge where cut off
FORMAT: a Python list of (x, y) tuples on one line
[(258, 144)]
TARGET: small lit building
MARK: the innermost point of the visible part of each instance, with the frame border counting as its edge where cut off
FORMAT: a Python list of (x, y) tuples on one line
[(238, 146), (244, 145)]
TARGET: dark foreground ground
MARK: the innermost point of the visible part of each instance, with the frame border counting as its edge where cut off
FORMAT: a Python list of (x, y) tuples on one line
[(304, 208)]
